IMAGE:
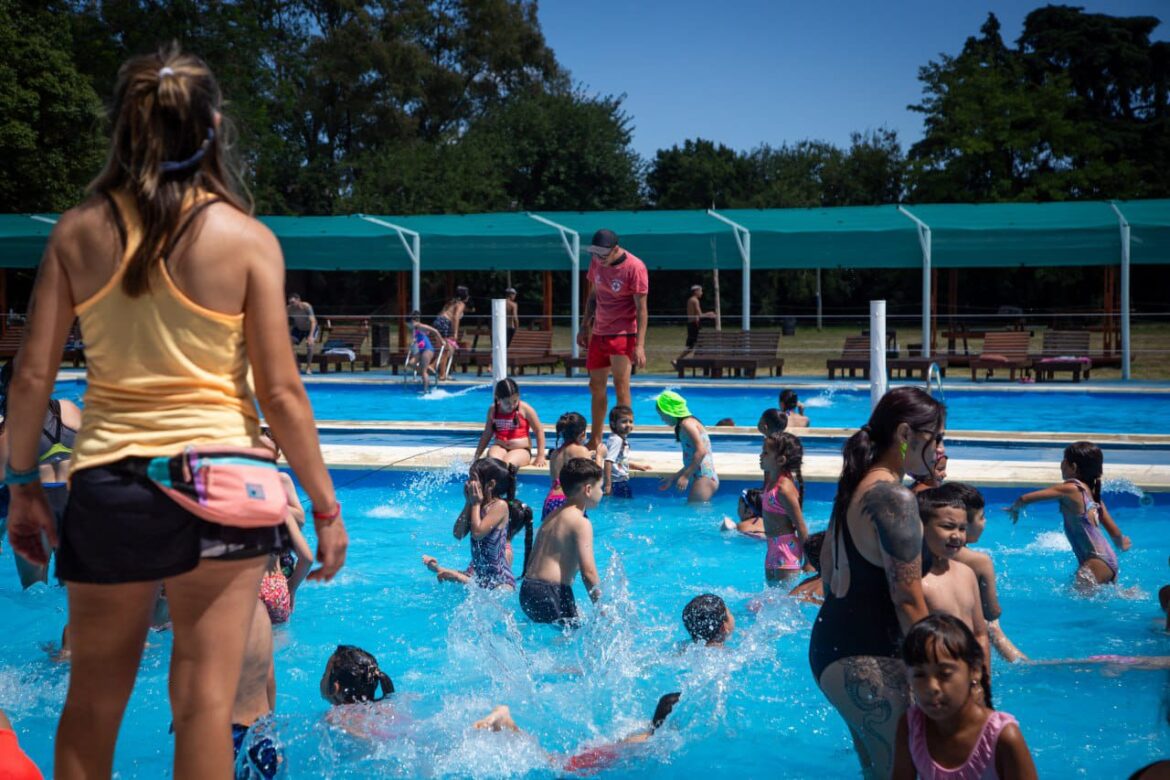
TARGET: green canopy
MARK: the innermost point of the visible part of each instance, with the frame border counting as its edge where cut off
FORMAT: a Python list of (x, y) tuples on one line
[(461, 242), (23, 238), (1149, 222), (337, 244)]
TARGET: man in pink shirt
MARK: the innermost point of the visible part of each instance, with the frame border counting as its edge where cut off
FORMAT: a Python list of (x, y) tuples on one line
[(614, 329)]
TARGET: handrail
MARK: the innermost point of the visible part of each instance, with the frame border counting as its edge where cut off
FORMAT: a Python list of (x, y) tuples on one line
[(935, 373)]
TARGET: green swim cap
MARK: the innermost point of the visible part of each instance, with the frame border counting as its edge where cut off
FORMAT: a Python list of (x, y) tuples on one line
[(672, 404)]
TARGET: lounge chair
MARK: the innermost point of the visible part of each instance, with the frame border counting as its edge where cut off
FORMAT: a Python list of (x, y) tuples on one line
[(911, 365), (1063, 350), (854, 357), (1003, 349), (528, 349), (750, 351), (710, 346), (345, 342)]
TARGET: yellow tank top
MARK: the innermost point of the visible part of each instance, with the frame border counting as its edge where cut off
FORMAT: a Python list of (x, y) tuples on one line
[(163, 372)]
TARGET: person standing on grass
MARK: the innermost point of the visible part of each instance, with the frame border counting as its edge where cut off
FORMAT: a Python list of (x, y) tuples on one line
[(695, 317), (303, 327), (614, 327), (513, 311)]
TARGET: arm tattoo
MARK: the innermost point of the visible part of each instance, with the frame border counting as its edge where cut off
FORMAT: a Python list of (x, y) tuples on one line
[(894, 512)]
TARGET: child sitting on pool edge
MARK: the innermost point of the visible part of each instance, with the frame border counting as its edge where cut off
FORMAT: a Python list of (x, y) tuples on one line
[(513, 422), (564, 546), (707, 619), (617, 453)]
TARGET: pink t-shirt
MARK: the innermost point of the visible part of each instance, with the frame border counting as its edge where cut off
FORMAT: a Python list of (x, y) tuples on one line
[(614, 287)]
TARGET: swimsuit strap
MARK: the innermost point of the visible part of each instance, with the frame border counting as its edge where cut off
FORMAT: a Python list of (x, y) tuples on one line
[(188, 219), (1086, 497)]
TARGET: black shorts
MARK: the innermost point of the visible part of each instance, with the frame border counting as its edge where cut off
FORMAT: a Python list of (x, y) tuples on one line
[(548, 602), (692, 334), (299, 335), (119, 527)]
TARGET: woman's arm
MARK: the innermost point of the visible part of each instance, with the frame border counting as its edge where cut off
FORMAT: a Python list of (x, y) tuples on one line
[(484, 437), (585, 558), (534, 425), (893, 510), (1120, 540), (456, 318), (304, 556)]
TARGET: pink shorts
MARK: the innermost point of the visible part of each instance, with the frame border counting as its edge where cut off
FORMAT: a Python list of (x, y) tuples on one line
[(602, 348), (784, 553)]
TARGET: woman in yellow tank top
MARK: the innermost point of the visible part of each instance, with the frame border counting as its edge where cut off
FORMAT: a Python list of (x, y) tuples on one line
[(178, 290)]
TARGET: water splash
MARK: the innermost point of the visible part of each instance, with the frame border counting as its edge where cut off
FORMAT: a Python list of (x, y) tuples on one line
[(1124, 486), (822, 400), (439, 394), (426, 486), (1049, 541)]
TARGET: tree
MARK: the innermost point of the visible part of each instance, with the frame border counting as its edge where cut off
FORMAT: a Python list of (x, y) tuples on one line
[(698, 175)]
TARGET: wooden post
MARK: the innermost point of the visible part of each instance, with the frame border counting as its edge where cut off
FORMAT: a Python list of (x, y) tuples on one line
[(403, 308), (548, 301), (715, 292), (953, 307), (1111, 292)]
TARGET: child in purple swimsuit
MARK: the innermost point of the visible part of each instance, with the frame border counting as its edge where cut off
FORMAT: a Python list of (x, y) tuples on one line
[(1084, 514), (951, 731)]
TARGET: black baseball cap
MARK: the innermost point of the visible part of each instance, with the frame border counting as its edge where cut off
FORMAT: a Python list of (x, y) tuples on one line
[(603, 242)]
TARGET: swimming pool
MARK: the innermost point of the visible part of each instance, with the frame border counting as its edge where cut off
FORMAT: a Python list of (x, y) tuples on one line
[(1042, 410), (453, 652)]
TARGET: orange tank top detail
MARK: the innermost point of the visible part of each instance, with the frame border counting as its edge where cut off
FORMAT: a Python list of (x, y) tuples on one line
[(162, 371)]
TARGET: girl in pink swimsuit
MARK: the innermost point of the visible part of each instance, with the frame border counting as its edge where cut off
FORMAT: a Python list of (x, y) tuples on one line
[(951, 731), (783, 494)]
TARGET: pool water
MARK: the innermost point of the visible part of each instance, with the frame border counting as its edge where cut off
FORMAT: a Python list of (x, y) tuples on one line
[(747, 709), (1046, 410)]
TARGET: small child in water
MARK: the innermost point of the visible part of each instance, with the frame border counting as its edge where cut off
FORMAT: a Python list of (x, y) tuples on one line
[(1084, 514), (564, 546), (350, 684), (751, 522), (708, 620), (571, 428), (950, 730), (812, 589), (781, 459), (793, 409), (513, 422), (948, 586), (697, 476), (617, 453)]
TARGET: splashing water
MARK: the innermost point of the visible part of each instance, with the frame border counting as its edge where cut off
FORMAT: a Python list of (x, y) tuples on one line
[(1125, 486), (1049, 541), (439, 394), (823, 400)]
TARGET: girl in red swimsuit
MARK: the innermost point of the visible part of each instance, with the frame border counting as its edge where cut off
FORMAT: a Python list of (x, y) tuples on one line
[(512, 422)]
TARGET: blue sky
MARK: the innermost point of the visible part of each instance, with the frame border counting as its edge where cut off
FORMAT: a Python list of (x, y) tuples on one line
[(744, 72)]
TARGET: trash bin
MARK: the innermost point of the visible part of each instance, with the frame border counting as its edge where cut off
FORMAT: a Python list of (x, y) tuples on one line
[(788, 326)]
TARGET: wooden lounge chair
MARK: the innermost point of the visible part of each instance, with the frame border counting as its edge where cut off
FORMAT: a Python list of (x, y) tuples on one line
[(1063, 350), (747, 352), (481, 344), (528, 349), (854, 357), (344, 336), (1003, 349), (10, 341), (911, 365), (709, 347)]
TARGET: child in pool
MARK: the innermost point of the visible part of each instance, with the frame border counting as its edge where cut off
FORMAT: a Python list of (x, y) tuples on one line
[(812, 589), (708, 620), (950, 729), (979, 562), (781, 459), (512, 421), (772, 421), (350, 684), (1084, 514), (948, 586), (617, 453), (422, 348), (697, 476), (564, 546), (287, 571), (750, 521), (493, 517), (571, 428), (793, 409)]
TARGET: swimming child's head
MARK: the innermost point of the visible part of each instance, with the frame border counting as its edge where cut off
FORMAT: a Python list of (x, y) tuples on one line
[(507, 395), (581, 481), (414, 317), (621, 420), (571, 427), (944, 522), (788, 400), (946, 665), (772, 421), (352, 675), (812, 549), (749, 503), (1083, 460), (496, 478), (707, 619), (783, 452), (972, 501), (672, 408), (462, 294)]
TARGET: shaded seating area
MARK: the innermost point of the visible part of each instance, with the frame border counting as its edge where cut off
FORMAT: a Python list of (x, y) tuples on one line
[(1003, 350), (1063, 351), (344, 341)]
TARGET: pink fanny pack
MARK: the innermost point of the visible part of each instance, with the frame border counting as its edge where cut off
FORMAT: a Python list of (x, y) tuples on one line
[(236, 486)]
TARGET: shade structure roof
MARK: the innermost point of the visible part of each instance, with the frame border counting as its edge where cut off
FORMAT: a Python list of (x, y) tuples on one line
[(962, 236)]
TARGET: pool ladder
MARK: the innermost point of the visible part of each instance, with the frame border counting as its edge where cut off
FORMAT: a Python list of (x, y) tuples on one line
[(935, 373)]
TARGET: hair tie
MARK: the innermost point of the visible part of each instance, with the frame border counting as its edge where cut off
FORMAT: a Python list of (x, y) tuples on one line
[(165, 71), (169, 166)]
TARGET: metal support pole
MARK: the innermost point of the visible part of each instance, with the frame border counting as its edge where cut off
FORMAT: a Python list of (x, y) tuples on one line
[(924, 241), (820, 323), (1125, 261), (413, 249), (877, 352), (571, 240), (499, 339), (743, 240)]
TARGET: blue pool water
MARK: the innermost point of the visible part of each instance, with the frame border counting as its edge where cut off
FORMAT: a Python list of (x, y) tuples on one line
[(747, 709), (1056, 410)]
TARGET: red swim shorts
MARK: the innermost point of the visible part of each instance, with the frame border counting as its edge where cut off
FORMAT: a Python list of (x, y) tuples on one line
[(602, 348)]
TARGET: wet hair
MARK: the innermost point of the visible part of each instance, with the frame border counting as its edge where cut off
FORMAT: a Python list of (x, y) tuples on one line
[(752, 497), (773, 420), (165, 146), (618, 411), (462, 295), (571, 426), (922, 642), (663, 709), (487, 470), (703, 617), (933, 499), (506, 388), (812, 549), (789, 449), (970, 496), (1090, 463), (908, 405), (788, 400), (414, 316), (578, 472), (357, 672)]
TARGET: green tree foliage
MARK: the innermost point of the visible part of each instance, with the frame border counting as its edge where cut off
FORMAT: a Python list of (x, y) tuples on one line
[(50, 142), (700, 174)]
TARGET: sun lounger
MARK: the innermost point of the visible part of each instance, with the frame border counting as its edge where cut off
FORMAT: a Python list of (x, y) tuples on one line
[(748, 352), (1063, 350), (854, 358), (709, 347), (528, 349), (1003, 350), (347, 341)]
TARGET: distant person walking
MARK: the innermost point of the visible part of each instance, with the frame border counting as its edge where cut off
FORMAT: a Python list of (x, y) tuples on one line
[(513, 312), (695, 317), (303, 327), (614, 328)]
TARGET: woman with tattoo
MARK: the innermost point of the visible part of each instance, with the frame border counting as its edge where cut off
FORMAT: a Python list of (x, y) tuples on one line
[(872, 565)]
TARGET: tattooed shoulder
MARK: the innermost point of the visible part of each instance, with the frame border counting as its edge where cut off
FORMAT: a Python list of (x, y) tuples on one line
[(894, 512)]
